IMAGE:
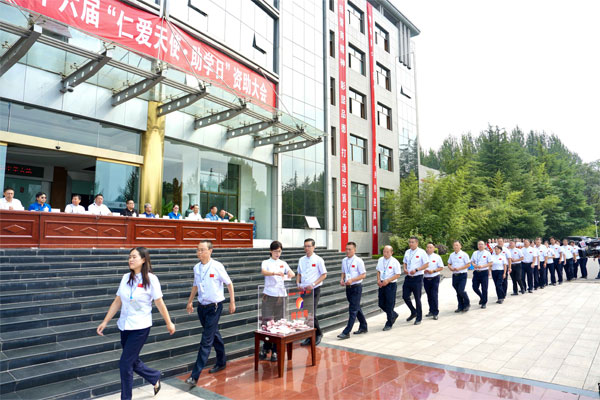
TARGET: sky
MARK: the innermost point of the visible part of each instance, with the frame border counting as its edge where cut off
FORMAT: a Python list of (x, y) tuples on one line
[(531, 63)]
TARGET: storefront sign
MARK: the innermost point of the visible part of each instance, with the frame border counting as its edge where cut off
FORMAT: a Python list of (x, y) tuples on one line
[(345, 209), (374, 202), (146, 33)]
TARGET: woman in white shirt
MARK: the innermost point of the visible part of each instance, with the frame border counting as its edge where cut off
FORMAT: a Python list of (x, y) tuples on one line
[(136, 292), (273, 299), (499, 271)]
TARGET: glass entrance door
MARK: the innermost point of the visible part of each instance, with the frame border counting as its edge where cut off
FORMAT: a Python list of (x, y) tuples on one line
[(118, 182)]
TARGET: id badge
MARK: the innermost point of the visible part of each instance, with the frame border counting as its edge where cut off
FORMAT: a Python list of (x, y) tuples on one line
[(135, 305), (201, 288)]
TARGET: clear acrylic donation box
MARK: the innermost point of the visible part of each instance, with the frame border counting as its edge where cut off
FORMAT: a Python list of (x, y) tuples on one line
[(290, 312)]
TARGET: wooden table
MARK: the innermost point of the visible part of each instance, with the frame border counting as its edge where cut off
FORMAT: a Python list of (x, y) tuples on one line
[(281, 342)]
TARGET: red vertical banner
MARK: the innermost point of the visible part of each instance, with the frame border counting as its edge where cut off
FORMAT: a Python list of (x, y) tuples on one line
[(345, 208), (374, 197)]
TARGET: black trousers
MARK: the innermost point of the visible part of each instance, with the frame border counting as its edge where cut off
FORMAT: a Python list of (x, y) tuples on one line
[(432, 288), (559, 271), (553, 270), (211, 337), (523, 276), (497, 276), (569, 268), (529, 274), (536, 276), (315, 297), (459, 282), (481, 279), (353, 294), (515, 275), (413, 285), (387, 301), (543, 274), (132, 343), (583, 266), (505, 283), (272, 310), (575, 267)]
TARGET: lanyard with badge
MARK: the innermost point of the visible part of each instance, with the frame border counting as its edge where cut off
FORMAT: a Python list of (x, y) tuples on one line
[(385, 267), (413, 254), (201, 285), (134, 304), (349, 268)]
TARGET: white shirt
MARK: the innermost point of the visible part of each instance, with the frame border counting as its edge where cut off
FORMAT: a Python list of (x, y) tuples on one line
[(131, 319), (388, 267), (458, 260), (575, 251), (550, 255), (515, 254), (311, 268), (481, 258), (435, 262), (195, 217), (209, 279), (492, 245), (73, 209), (555, 250), (541, 252), (353, 267), (529, 253), (415, 259), (567, 251), (15, 204), (99, 209), (498, 262), (274, 285)]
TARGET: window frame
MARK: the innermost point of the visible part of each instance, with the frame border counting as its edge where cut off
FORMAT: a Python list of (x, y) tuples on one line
[(332, 44), (380, 70), (383, 151), (353, 12), (379, 31), (386, 111), (363, 211), (356, 53), (332, 91), (352, 97), (355, 142)]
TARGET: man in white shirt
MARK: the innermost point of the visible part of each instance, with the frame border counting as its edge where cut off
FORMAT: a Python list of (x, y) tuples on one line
[(557, 269), (516, 257), (481, 260), (8, 202), (388, 272), (431, 280), (310, 275), (74, 207), (529, 262), (209, 278), (540, 272), (506, 253), (583, 258), (353, 273), (97, 208), (415, 262), (567, 259), (458, 263), (195, 214), (575, 251)]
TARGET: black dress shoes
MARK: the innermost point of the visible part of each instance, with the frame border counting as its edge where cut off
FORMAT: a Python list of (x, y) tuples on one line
[(218, 368)]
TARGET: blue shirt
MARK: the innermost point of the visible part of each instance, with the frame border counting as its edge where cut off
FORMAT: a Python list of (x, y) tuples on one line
[(172, 215), (212, 217), (39, 207), (149, 215)]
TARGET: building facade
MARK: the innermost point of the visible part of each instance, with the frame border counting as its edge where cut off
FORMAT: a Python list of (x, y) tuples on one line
[(235, 104)]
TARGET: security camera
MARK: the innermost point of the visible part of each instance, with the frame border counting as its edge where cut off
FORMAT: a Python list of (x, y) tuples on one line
[(57, 147), (70, 88)]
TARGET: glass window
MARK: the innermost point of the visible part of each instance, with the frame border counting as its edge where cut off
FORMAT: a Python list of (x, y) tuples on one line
[(384, 214), (118, 183), (382, 38), (332, 44), (355, 17), (358, 149), (333, 141), (357, 103), (385, 158), (382, 75), (332, 5), (332, 91), (358, 194), (356, 59), (384, 116)]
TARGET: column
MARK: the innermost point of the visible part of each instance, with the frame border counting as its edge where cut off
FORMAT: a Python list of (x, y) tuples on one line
[(153, 144)]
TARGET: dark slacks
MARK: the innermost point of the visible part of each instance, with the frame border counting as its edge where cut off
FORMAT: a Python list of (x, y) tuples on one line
[(353, 294), (559, 271), (209, 318), (132, 343), (505, 283), (497, 276), (536, 276), (431, 288), (413, 285), (583, 266), (524, 275), (481, 279), (575, 268), (517, 281), (569, 269), (387, 301), (529, 274), (271, 310), (543, 274), (315, 298), (552, 270), (459, 282)]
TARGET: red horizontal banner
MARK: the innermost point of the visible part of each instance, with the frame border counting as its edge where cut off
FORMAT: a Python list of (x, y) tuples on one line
[(148, 34)]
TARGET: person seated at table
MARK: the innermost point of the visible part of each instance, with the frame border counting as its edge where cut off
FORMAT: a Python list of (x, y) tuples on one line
[(130, 209), (8, 202), (175, 213), (97, 208), (212, 215), (74, 207), (195, 214), (40, 203), (225, 216), (148, 211)]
